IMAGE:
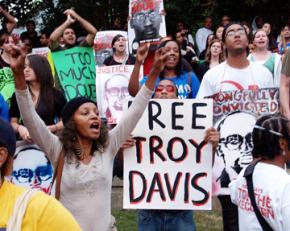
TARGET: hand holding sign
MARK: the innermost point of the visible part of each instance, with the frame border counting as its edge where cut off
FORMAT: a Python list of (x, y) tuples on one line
[(212, 136), (129, 142)]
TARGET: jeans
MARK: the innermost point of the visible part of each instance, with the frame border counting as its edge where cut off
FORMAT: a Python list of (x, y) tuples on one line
[(165, 220)]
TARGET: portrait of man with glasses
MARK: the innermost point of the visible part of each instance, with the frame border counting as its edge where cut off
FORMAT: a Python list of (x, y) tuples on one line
[(235, 146), (32, 169), (115, 94), (146, 22)]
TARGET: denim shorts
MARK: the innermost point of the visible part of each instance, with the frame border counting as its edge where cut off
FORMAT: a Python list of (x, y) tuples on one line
[(165, 220)]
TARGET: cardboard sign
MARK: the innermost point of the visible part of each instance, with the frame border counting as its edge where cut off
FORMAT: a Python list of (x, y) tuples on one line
[(112, 90), (76, 71), (147, 24), (6, 84), (43, 51), (32, 169), (170, 166), (103, 45), (235, 114)]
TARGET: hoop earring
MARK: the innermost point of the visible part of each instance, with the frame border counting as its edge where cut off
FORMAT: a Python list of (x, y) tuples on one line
[(78, 152)]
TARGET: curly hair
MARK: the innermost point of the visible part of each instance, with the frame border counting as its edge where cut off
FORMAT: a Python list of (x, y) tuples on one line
[(72, 150)]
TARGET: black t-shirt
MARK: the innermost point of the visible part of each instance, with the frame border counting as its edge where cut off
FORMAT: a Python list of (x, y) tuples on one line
[(59, 102), (3, 63), (202, 69), (110, 61)]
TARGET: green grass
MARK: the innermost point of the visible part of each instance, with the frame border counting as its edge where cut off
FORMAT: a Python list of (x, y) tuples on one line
[(204, 220)]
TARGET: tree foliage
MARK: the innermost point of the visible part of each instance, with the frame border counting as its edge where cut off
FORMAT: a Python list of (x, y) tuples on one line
[(22, 9), (101, 13)]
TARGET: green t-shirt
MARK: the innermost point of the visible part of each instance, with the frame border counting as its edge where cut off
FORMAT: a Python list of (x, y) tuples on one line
[(286, 64)]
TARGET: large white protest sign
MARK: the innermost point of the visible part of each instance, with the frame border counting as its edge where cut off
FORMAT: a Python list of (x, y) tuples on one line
[(147, 22), (170, 166), (112, 90), (235, 114), (103, 45)]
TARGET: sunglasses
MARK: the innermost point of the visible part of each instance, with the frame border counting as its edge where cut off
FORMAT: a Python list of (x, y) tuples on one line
[(168, 88)]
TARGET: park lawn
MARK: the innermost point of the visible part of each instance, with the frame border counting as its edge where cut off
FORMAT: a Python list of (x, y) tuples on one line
[(205, 220)]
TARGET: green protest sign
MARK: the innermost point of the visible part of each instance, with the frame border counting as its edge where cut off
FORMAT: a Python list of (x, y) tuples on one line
[(6, 83), (76, 71)]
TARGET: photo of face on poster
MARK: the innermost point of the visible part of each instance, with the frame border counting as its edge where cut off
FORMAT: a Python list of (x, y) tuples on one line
[(32, 169), (147, 24), (112, 90), (235, 146), (235, 114), (103, 45), (115, 94)]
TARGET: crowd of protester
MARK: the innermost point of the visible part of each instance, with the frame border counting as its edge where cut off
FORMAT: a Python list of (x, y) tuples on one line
[(77, 141)]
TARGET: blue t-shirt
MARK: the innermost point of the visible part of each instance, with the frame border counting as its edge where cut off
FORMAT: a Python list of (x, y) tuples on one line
[(186, 83), (4, 110)]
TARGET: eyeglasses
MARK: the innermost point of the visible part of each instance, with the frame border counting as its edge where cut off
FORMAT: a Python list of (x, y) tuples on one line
[(235, 141), (233, 33), (116, 91), (25, 175), (141, 17), (168, 88)]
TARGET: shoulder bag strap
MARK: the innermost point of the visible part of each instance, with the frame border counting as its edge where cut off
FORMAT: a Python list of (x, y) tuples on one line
[(249, 178), (58, 174), (20, 206)]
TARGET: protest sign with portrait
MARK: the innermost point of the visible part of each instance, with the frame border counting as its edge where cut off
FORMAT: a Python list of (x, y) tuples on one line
[(76, 71), (170, 167), (235, 114), (112, 90), (32, 169), (147, 22), (103, 45)]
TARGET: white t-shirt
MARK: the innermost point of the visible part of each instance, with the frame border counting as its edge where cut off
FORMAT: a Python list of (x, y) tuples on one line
[(201, 37), (272, 188), (226, 78)]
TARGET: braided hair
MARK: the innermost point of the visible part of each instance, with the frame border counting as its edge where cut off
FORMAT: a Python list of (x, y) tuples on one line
[(266, 135)]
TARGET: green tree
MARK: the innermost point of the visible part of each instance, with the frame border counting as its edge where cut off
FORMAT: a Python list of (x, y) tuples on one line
[(23, 10)]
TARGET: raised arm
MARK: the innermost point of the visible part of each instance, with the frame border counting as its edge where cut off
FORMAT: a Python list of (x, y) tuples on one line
[(38, 131), (130, 118), (84, 24), (134, 85), (11, 22), (57, 33)]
